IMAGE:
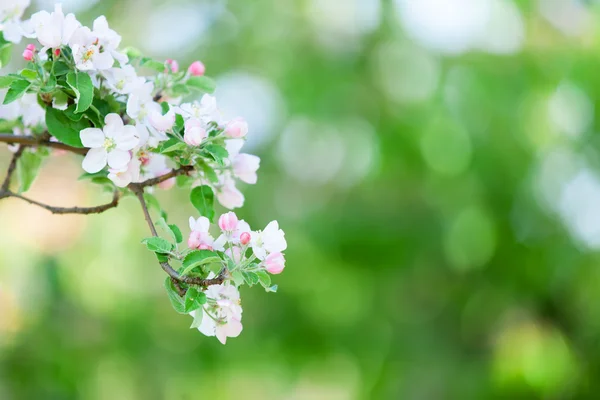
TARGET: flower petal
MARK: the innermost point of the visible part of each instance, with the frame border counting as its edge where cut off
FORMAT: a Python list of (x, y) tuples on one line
[(92, 137), (94, 160), (118, 159), (128, 138), (114, 125)]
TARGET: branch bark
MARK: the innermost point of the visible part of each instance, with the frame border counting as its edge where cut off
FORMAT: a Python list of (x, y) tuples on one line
[(67, 210), (175, 276), (11, 169), (31, 141)]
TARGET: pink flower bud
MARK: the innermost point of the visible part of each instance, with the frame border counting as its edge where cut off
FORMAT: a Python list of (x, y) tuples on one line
[(197, 68), (30, 47), (245, 238), (174, 65), (228, 222), (204, 246), (275, 263), (57, 52), (236, 128), (195, 240), (194, 132), (28, 55)]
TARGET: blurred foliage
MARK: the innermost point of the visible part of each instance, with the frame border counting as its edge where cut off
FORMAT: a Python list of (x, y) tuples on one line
[(434, 248)]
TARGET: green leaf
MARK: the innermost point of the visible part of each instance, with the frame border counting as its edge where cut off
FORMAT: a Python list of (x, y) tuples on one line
[(29, 74), (5, 51), (179, 89), (193, 300), (81, 83), (164, 107), (218, 153), (177, 233), (50, 86), (197, 258), (172, 145), (150, 63), (60, 68), (264, 278), (16, 90), (250, 277), (272, 289), (202, 83), (60, 99), (62, 128), (157, 244), (87, 175), (237, 277), (27, 169), (5, 81), (203, 198), (209, 172), (176, 301)]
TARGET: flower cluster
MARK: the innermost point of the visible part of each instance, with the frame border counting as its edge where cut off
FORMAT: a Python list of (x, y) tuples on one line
[(141, 123)]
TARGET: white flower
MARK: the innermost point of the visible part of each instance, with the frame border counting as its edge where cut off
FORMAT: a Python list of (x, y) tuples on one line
[(122, 80), (162, 123), (123, 177), (53, 29), (242, 227), (25, 107), (244, 165), (109, 145), (222, 314), (270, 240), (11, 25), (206, 110), (86, 51), (199, 225), (229, 196), (108, 39)]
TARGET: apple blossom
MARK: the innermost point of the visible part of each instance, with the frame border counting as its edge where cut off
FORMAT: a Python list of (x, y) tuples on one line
[(228, 222), (89, 118), (87, 53), (197, 68), (221, 316), (270, 240), (236, 128), (274, 263), (173, 65), (109, 145), (130, 173), (162, 123), (54, 29), (229, 196), (194, 132)]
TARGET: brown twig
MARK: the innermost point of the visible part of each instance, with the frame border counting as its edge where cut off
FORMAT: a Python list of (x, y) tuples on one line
[(175, 276), (31, 141), (67, 210), (11, 169), (135, 187)]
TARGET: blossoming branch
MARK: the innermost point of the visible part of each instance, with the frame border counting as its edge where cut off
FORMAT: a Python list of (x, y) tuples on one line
[(126, 115)]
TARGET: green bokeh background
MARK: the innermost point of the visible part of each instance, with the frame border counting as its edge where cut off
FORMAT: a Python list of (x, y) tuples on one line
[(427, 257)]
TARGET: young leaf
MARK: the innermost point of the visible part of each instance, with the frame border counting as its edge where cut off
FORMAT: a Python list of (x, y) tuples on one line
[(193, 300), (264, 278), (60, 68), (202, 83), (164, 107), (197, 319), (150, 63), (158, 245), (29, 74), (27, 169), (81, 83), (203, 198), (176, 301), (16, 90), (197, 258), (5, 51), (218, 153), (250, 277), (5, 81), (209, 173), (62, 128), (237, 277), (176, 233)]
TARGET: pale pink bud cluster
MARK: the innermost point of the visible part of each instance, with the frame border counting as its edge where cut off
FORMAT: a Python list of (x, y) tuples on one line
[(173, 65), (29, 52), (199, 240), (236, 128), (228, 222), (197, 69), (275, 263), (194, 132)]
